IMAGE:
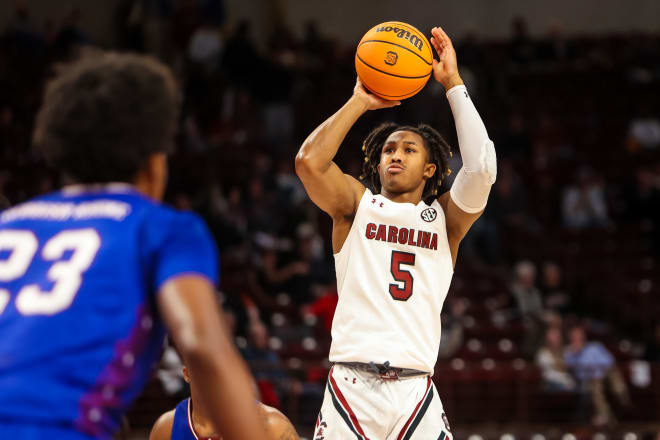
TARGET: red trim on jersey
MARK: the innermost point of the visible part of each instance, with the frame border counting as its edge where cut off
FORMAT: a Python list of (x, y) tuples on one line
[(344, 404), (412, 416)]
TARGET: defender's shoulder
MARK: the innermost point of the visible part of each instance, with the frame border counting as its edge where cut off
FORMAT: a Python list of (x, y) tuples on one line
[(279, 426), (162, 429)]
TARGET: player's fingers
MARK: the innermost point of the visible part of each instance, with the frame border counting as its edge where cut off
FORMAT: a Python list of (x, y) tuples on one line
[(436, 45), (438, 38), (445, 37)]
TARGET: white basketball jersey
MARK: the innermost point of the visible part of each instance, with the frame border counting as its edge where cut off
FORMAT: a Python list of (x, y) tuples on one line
[(393, 274)]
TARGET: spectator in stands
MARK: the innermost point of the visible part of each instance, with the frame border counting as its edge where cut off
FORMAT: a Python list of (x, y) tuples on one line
[(241, 59), (643, 130), (592, 364), (266, 366), (550, 359), (205, 46), (508, 203), (452, 328), (323, 307), (274, 274), (529, 305), (522, 46), (310, 249), (583, 204), (555, 293)]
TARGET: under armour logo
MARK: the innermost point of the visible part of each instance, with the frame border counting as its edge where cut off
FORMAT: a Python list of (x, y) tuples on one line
[(373, 200), (381, 204)]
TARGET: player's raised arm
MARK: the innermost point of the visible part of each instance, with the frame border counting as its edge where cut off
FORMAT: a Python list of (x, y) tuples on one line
[(333, 191), (469, 192), (188, 305)]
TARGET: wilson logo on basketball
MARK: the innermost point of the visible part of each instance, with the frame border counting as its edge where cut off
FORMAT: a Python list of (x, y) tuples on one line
[(402, 33), (391, 58), (429, 214)]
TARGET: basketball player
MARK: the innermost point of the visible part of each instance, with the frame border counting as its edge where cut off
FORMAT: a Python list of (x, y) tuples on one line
[(394, 257), (190, 421), (91, 275)]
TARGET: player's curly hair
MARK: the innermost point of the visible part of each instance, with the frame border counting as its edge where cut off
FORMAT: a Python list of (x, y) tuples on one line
[(438, 150), (103, 115)]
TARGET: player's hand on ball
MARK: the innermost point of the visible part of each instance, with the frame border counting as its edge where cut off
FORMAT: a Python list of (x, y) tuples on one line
[(445, 71), (372, 101)]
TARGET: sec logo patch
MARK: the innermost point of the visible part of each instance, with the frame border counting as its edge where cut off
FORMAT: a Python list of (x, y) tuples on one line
[(429, 214)]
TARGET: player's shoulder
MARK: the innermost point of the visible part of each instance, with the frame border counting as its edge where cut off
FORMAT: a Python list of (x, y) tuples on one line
[(166, 215), (162, 429), (279, 426)]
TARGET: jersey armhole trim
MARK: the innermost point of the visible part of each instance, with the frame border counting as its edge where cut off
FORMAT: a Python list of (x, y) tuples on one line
[(367, 193)]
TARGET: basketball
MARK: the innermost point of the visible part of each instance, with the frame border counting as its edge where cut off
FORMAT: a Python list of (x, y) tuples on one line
[(394, 60)]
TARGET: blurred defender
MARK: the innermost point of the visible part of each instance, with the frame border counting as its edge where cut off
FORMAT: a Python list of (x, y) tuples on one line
[(394, 257), (91, 275), (190, 421)]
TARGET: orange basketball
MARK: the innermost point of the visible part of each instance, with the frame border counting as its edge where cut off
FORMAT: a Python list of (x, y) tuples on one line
[(394, 60)]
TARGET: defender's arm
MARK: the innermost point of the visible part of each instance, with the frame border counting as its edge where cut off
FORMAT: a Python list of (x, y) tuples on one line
[(190, 310)]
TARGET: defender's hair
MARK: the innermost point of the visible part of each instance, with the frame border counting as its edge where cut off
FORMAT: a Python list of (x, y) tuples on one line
[(438, 150), (103, 115)]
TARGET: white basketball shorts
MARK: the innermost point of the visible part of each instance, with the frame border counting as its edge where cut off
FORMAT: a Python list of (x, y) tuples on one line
[(364, 406)]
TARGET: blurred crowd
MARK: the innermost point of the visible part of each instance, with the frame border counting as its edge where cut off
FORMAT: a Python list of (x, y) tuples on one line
[(575, 121)]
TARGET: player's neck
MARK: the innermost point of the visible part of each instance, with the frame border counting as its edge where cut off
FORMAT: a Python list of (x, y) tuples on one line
[(202, 423), (145, 187), (413, 197)]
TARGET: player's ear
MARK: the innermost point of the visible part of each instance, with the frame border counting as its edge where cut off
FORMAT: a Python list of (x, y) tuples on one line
[(186, 376), (429, 170)]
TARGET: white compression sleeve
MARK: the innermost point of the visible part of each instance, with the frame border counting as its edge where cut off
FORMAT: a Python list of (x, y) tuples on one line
[(472, 184)]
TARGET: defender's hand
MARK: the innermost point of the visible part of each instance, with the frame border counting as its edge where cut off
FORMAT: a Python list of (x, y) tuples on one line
[(371, 101), (445, 71)]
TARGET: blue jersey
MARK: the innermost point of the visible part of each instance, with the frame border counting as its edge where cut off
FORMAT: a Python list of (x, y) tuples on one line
[(182, 427), (79, 274)]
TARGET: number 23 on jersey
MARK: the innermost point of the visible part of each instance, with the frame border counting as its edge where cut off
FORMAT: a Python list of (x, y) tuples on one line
[(66, 275)]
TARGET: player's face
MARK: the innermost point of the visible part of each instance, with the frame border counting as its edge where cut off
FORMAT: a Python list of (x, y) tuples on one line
[(404, 165)]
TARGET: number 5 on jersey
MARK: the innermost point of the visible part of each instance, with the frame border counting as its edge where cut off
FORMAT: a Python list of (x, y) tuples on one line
[(67, 275), (401, 275)]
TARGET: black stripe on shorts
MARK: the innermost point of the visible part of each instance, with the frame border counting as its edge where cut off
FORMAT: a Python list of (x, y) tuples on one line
[(420, 416), (342, 413)]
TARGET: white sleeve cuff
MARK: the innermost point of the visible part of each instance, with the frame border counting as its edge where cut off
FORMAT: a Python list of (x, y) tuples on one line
[(456, 89)]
